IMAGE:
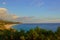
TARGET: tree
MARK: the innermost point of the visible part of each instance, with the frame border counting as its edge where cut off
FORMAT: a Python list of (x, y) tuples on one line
[(58, 33), (22, 38), (32, 34)]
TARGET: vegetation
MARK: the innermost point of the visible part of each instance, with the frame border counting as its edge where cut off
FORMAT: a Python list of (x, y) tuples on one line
[(32, 34), (8, 22)]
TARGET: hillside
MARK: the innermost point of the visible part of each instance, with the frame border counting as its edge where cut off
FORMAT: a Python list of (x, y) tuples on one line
[(7, 24)]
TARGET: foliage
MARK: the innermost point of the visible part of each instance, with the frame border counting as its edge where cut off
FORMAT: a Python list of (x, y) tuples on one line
[(33, 34)]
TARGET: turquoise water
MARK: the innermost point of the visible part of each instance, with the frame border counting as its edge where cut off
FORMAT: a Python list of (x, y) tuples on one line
[(48, 26)]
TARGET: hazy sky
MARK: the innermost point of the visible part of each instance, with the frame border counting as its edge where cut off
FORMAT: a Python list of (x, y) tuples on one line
[(33, 8)]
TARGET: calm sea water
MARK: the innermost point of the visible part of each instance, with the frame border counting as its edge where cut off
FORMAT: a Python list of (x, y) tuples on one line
[(48, 26)]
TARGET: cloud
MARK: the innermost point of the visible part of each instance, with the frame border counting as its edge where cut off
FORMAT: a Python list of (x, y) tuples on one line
[(33, 3), (3, 10), (4, 14), (4, 3), (37, 3), (14, 16)]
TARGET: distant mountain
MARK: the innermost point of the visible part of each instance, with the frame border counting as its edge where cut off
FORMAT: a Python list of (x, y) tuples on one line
[(37, 20), (9, 22), (4, 15)]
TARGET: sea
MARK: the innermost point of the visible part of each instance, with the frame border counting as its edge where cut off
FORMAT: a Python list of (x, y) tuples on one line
[(28, 26)]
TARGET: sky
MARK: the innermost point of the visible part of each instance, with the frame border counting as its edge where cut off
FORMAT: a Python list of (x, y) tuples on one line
[(39, 9)]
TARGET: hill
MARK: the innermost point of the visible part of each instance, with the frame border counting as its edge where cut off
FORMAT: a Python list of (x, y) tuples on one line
[(7, 24)]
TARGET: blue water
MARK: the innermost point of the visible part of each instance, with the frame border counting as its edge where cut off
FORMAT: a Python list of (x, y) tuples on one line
[(48, 26)]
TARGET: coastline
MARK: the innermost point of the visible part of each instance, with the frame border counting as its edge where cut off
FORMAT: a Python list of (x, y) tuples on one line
[(8, 26)]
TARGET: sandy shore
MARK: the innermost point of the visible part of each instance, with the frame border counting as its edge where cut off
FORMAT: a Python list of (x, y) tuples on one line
[(8, 26)]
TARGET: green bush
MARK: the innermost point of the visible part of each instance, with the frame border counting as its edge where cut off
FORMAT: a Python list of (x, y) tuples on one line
[(33, 34)]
